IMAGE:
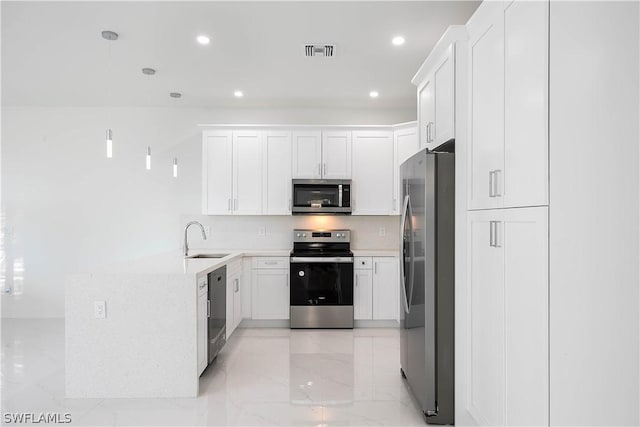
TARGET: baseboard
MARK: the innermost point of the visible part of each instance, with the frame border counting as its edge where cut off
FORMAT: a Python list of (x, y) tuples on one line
[(261, 323), (376, 324), (284, 323)]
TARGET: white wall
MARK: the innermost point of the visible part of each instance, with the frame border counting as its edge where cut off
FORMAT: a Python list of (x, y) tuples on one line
[(593, 213), (68, 208)]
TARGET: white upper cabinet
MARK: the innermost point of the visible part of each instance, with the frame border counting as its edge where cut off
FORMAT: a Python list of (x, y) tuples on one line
[(508, 139), (307, 154), (436, 82), (373, 190), (232, 173), (247, 172), (336, 155), (217, 183), (526, 103), (426, 113), (444, 98), (276, 198), (486, 139), (322, 154), (407, 143)]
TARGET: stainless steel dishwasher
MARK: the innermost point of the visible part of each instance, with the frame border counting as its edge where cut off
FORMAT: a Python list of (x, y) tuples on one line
[(218, 311)]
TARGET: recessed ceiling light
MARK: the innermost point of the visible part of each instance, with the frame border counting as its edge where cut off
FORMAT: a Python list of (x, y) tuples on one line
[(238, 94), (175, 94), (202, 39), (109, 35), (373, 94), (398, 40), (148, 71)]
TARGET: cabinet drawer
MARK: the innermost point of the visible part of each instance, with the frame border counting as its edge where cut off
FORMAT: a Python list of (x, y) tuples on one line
[(362, 263), (271, 262)]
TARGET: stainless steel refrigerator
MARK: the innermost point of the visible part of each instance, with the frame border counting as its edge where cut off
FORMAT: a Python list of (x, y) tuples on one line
[(427, 275)]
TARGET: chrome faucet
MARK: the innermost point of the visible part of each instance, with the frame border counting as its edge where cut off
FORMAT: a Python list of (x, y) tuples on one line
[(186, 245)]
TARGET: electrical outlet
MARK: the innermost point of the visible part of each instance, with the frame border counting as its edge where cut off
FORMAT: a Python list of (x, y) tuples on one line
[(100, 309), (207, 231), (382, 232), (262, 231)]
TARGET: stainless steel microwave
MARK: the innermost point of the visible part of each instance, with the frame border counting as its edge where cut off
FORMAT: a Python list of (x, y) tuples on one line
[(321, 196)]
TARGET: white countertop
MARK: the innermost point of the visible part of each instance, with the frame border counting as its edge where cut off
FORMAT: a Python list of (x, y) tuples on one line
[(372, 252), (175, 263)]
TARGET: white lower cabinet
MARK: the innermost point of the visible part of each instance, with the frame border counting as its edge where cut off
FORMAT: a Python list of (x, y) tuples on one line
[(385, 288), (270, 288), (234, 296), (507, 311), (375, 288), (362, 290), (203, 323)]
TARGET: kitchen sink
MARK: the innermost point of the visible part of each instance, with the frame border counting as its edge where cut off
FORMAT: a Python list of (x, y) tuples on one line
[(208, 256)]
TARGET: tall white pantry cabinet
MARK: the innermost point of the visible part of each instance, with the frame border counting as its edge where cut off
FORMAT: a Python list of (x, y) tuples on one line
[(547, 318)]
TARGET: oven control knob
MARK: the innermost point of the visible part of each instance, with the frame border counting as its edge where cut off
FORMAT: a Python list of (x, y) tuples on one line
[(301, 273), (338, 235), (298, 234), (304, 234)]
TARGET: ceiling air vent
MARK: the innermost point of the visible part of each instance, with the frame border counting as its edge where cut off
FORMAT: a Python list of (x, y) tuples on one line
[(326, 50)]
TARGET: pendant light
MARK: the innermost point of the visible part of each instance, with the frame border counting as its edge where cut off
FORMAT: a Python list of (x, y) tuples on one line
[(109, 140), (175, 167), (148, 158), (109, 36)]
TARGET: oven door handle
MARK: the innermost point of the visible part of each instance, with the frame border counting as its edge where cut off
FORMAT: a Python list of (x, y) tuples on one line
[(340, 259)]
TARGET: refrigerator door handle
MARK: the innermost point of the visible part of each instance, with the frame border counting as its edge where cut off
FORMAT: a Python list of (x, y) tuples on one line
[(405, 213)]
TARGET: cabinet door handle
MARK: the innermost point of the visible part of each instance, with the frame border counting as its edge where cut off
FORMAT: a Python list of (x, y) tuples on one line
[(356, 280), (496, 182), (319, 170), (375, 268), (271, 262), (237, 285), (490, 233), (324, 172), (208, 308), (494, 235), (490, 183), (287, 280), (290, 205), (427, 131)]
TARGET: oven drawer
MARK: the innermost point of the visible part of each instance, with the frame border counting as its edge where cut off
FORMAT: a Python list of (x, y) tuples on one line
[(362, 263), (270, 262), (321, 283)]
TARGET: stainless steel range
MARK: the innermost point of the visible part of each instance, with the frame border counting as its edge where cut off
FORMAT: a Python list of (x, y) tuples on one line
[(321, 291)]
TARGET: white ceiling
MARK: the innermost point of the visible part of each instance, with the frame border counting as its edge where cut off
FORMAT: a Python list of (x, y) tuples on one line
[(53, 54)]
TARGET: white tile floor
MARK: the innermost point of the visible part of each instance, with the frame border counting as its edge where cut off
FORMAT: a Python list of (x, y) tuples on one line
[(262, 377)]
